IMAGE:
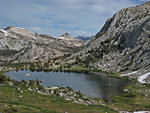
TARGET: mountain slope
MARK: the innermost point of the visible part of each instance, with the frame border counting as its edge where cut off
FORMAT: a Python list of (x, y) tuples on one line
[(21, 45), (124, 41)]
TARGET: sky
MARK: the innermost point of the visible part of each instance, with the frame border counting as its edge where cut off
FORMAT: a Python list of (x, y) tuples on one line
[(55, 17)]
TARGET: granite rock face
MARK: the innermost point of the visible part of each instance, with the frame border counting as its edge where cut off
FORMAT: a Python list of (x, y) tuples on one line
[(124, 40), (21, 45)]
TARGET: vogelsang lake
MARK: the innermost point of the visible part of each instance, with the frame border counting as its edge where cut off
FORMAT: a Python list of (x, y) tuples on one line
[(92, 85)]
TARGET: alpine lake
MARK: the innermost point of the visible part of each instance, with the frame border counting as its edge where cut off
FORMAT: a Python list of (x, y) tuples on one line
[(92, 85)]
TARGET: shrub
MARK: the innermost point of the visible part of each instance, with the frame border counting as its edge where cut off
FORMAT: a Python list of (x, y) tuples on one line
[(10, 110), (3, 78)]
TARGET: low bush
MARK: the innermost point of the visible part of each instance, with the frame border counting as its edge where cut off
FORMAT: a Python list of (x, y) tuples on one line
[(3, 78)]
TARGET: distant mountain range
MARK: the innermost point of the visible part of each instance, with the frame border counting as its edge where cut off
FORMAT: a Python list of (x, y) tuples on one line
[(21, 45), (84, 38)]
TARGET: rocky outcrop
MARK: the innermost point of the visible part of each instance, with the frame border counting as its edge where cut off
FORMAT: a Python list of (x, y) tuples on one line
[(21, 45), (124, 41)]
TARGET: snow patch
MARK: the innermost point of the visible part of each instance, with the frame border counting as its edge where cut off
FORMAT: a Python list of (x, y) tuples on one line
[(5, 32), (143, 77), (63, 38), (129, 74), (141, 112), (23, 31), (51, 88), (19, 27)]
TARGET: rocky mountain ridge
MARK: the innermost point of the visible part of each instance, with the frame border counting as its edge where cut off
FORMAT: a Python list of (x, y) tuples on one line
[(21, 45), (123, 44)]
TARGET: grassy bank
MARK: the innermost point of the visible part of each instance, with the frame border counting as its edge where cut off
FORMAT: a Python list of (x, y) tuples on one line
[(136, 99), (12, 101)]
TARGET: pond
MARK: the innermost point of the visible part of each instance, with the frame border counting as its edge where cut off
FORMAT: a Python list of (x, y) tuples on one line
[(93, 85)]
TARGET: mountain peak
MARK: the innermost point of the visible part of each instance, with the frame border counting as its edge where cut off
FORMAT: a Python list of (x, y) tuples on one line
[(148, 2), (21, 31), (15, 29), (66, 35)]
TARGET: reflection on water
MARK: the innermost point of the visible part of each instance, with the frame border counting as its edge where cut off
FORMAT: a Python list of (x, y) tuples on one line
[(90, 84)]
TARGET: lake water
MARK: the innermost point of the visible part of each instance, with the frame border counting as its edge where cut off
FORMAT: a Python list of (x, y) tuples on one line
[(92, 85)]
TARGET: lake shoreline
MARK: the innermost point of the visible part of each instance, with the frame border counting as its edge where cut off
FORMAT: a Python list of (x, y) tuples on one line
[(132, 92), (88, 83)]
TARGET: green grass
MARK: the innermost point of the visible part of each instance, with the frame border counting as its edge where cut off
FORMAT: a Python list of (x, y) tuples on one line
[(137, 98), (33, 102), (131, 102), (114, 75), (89, 70), (2, 72)]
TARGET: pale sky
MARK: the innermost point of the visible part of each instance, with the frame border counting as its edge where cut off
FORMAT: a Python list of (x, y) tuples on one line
[(55, 17)]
